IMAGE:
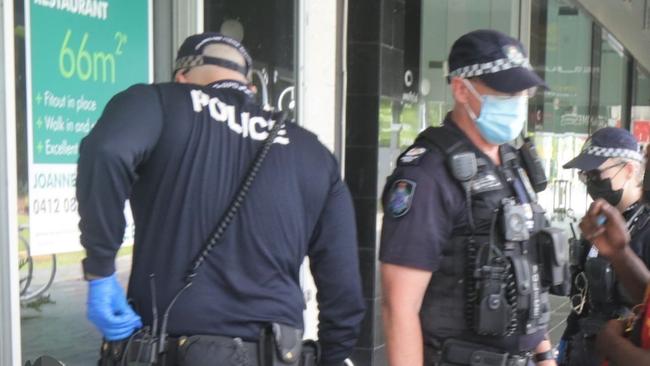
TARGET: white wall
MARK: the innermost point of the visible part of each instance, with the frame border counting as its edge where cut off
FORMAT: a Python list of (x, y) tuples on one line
[(317, 64), (9, 305), (317, 100)]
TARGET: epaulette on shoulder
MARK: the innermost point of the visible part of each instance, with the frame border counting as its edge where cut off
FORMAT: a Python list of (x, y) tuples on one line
[(412, 155)]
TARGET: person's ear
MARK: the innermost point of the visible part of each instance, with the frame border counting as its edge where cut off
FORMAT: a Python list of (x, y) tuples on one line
[(459, 90), (180, 77)]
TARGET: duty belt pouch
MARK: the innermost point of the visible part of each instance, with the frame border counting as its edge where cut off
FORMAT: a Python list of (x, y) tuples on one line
[(141, 351), (493, 311), (456, 353), (280, 345), (554, 260), (578, 251), (110, 353)]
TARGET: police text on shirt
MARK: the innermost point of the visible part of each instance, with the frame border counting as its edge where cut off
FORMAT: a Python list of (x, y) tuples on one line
[(255, 127)]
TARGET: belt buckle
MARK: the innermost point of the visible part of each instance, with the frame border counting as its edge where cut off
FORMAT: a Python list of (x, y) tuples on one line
[(518, 360)]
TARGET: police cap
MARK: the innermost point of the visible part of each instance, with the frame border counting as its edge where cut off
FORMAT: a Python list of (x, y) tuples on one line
[(499, 60), (608, 142)]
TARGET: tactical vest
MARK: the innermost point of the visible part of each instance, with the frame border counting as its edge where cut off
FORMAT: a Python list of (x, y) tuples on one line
[(509, 299)]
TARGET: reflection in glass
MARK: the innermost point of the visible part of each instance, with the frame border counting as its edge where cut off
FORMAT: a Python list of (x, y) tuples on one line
[(640, 115), (268, 34), (612, 74), (559, 118)]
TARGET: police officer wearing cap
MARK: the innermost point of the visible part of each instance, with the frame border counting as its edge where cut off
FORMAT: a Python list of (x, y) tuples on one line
[(611, 166), (178, 152), (464, 246)]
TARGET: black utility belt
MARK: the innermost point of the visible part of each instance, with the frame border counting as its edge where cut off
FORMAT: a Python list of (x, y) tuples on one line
[(279, 345), (462, 353), (186, 350)]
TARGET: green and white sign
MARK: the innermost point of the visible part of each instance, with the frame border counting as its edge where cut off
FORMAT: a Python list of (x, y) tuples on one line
[(79, 54)]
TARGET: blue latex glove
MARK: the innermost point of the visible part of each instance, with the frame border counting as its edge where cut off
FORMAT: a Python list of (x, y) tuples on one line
[(109, 311)]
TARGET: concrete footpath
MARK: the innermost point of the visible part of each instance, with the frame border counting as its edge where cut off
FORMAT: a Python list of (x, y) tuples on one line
[(58, 327)]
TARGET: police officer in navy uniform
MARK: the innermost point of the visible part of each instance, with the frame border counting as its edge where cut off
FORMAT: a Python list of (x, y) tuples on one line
[(464, 245), (178, 152), (612, 166)]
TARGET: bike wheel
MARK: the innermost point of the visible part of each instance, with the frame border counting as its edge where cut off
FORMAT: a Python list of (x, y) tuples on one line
[(41, 279), (25, 265)]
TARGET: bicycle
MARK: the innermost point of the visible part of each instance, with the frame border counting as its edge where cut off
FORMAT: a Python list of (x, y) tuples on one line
[(30, 288)]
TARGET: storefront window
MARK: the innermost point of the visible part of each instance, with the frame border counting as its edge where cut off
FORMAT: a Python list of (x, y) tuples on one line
[(70, 61), (559, 118), (612, 77), (266, 29), (586, 70), (426, 98), (640, 115)]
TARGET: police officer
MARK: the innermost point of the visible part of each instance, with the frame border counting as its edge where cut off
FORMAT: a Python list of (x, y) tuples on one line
[(462, 273), (621, 341), (611, 165), (178, 151)]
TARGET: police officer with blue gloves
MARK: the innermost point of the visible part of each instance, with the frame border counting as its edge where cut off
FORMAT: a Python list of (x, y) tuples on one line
[(612, 166), (467, 255), (179, 152)]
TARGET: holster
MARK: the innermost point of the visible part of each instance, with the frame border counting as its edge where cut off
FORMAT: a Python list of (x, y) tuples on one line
[(110, 353), (141, 351), (282, 345)]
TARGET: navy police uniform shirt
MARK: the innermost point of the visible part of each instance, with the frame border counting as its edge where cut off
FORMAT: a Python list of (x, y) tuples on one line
[(424, 207), (178, 152)]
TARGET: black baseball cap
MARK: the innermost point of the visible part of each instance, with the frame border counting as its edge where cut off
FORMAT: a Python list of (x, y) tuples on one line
[(191, 53), (494, 57), (608, 142)]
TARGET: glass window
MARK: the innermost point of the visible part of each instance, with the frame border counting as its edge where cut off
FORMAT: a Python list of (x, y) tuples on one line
[(612, 78), (640, 115), (269, 35), (427, 99), (559, 118), (69, 63), (442, 23)]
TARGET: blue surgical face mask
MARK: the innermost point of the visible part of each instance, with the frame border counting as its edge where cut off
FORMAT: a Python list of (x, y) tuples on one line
[(501, 118)]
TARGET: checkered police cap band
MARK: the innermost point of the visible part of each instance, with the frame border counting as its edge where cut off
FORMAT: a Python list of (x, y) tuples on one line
[(198, 58), (491, 67), (610, 152), (188, 62)]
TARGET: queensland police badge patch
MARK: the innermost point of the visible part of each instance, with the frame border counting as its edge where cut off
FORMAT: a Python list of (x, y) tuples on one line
[(401, 197)]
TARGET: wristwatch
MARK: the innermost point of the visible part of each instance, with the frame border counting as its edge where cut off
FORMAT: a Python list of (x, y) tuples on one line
[(544, 356)]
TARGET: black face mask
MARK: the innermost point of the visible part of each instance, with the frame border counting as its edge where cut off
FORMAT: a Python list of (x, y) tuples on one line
[(602, 188)]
